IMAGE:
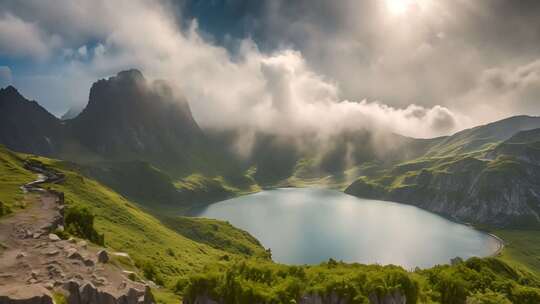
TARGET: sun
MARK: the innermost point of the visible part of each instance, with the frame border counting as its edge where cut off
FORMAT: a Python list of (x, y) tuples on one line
[(399, 7)]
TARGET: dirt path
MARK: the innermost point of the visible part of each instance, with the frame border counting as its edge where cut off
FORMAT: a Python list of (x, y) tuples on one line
[(35, 263)]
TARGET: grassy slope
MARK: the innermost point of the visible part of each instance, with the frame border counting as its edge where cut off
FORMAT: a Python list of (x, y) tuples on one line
[(140, 234), (12, 176), (522, 248), (172, 251)]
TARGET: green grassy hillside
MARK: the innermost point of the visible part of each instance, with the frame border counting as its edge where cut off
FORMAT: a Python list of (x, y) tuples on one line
[(164, 251), (12, 176)]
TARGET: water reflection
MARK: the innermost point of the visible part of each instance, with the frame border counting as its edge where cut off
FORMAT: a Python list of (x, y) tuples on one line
[(308, 226)]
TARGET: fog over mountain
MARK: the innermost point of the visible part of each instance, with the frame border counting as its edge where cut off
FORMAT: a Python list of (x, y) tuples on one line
[(419, 68)]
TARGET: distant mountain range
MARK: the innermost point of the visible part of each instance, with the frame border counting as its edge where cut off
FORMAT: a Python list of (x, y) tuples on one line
[(139, 139)]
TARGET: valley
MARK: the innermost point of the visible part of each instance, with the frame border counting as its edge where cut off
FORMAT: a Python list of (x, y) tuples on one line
[(139, 165)]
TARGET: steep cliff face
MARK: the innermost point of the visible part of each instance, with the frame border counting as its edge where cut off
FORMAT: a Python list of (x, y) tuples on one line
[(129, 118), (500, 189)]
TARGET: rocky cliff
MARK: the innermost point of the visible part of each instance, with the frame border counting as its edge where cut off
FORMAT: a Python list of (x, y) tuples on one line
[(499, 187)]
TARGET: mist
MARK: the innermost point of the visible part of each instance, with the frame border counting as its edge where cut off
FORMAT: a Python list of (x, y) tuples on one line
[(347, 66)]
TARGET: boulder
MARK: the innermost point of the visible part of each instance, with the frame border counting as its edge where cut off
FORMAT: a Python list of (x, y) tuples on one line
[(73, 254), (102, 256), (32, 294)]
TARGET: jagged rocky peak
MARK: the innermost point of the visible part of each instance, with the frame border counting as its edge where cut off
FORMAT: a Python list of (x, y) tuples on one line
[(130, 117), (10, 93)]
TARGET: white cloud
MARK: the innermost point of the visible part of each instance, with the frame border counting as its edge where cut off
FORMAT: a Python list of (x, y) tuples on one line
[(277, 92), (499, 91), (19, 38)]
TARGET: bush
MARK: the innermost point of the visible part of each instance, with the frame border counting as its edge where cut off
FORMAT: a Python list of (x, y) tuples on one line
[(4, 209), (80, 222), (488, 297)]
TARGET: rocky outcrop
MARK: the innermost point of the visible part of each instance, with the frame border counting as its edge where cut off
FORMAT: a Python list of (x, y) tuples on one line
[(28, 295), (502, 192), (74, 293)]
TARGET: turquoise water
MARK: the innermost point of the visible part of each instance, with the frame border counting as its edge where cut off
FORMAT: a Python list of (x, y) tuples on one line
[(309, 225)]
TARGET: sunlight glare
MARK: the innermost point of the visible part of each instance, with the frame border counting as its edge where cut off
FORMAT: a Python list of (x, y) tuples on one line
[(399, 7)]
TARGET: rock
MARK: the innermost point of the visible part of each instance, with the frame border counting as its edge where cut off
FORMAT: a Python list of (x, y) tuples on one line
[(6, 275), (36, 235), (148, 296), (102, 256), (48, 285), (122, 285), (73, 254), (29, 234), (72, 294), (89, 262), (100, 281), (52, 252), (89, 294), (60, 228), (82, 244), (72, 240), (34, 274), (21, 255), (33, 294), (53, 237)]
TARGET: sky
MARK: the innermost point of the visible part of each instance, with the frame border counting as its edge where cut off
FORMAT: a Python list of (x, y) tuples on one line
[(420, 68)]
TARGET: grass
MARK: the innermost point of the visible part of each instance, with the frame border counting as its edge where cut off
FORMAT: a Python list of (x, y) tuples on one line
[(155, 248), (522, 248), (12, 177), (187, 254), (144, 237)]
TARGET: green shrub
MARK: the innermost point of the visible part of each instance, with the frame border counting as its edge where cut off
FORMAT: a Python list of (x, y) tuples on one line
[(80, 222), (4, 209), (488, 297)]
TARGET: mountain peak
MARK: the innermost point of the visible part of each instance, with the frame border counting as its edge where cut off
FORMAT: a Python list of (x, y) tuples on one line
[(10, 91), (131, 75)]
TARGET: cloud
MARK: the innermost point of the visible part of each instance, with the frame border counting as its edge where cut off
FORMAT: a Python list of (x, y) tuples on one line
[(432, 53), (272, 91), (5, 76), (19, 38), (499, 91)]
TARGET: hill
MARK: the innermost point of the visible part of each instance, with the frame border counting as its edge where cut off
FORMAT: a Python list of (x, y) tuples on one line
[(492, 182), (160, 246), (27, 127)]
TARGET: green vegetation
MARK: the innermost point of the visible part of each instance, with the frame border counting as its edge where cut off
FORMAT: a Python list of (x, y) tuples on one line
[(255, 282), (80, 222), (59, 298), (217, 234), (162, 254), (522, 248), (12, 177), (127, 228), (477, 280)]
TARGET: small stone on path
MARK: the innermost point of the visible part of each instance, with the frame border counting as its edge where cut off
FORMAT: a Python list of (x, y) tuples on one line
[(53, 237)]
